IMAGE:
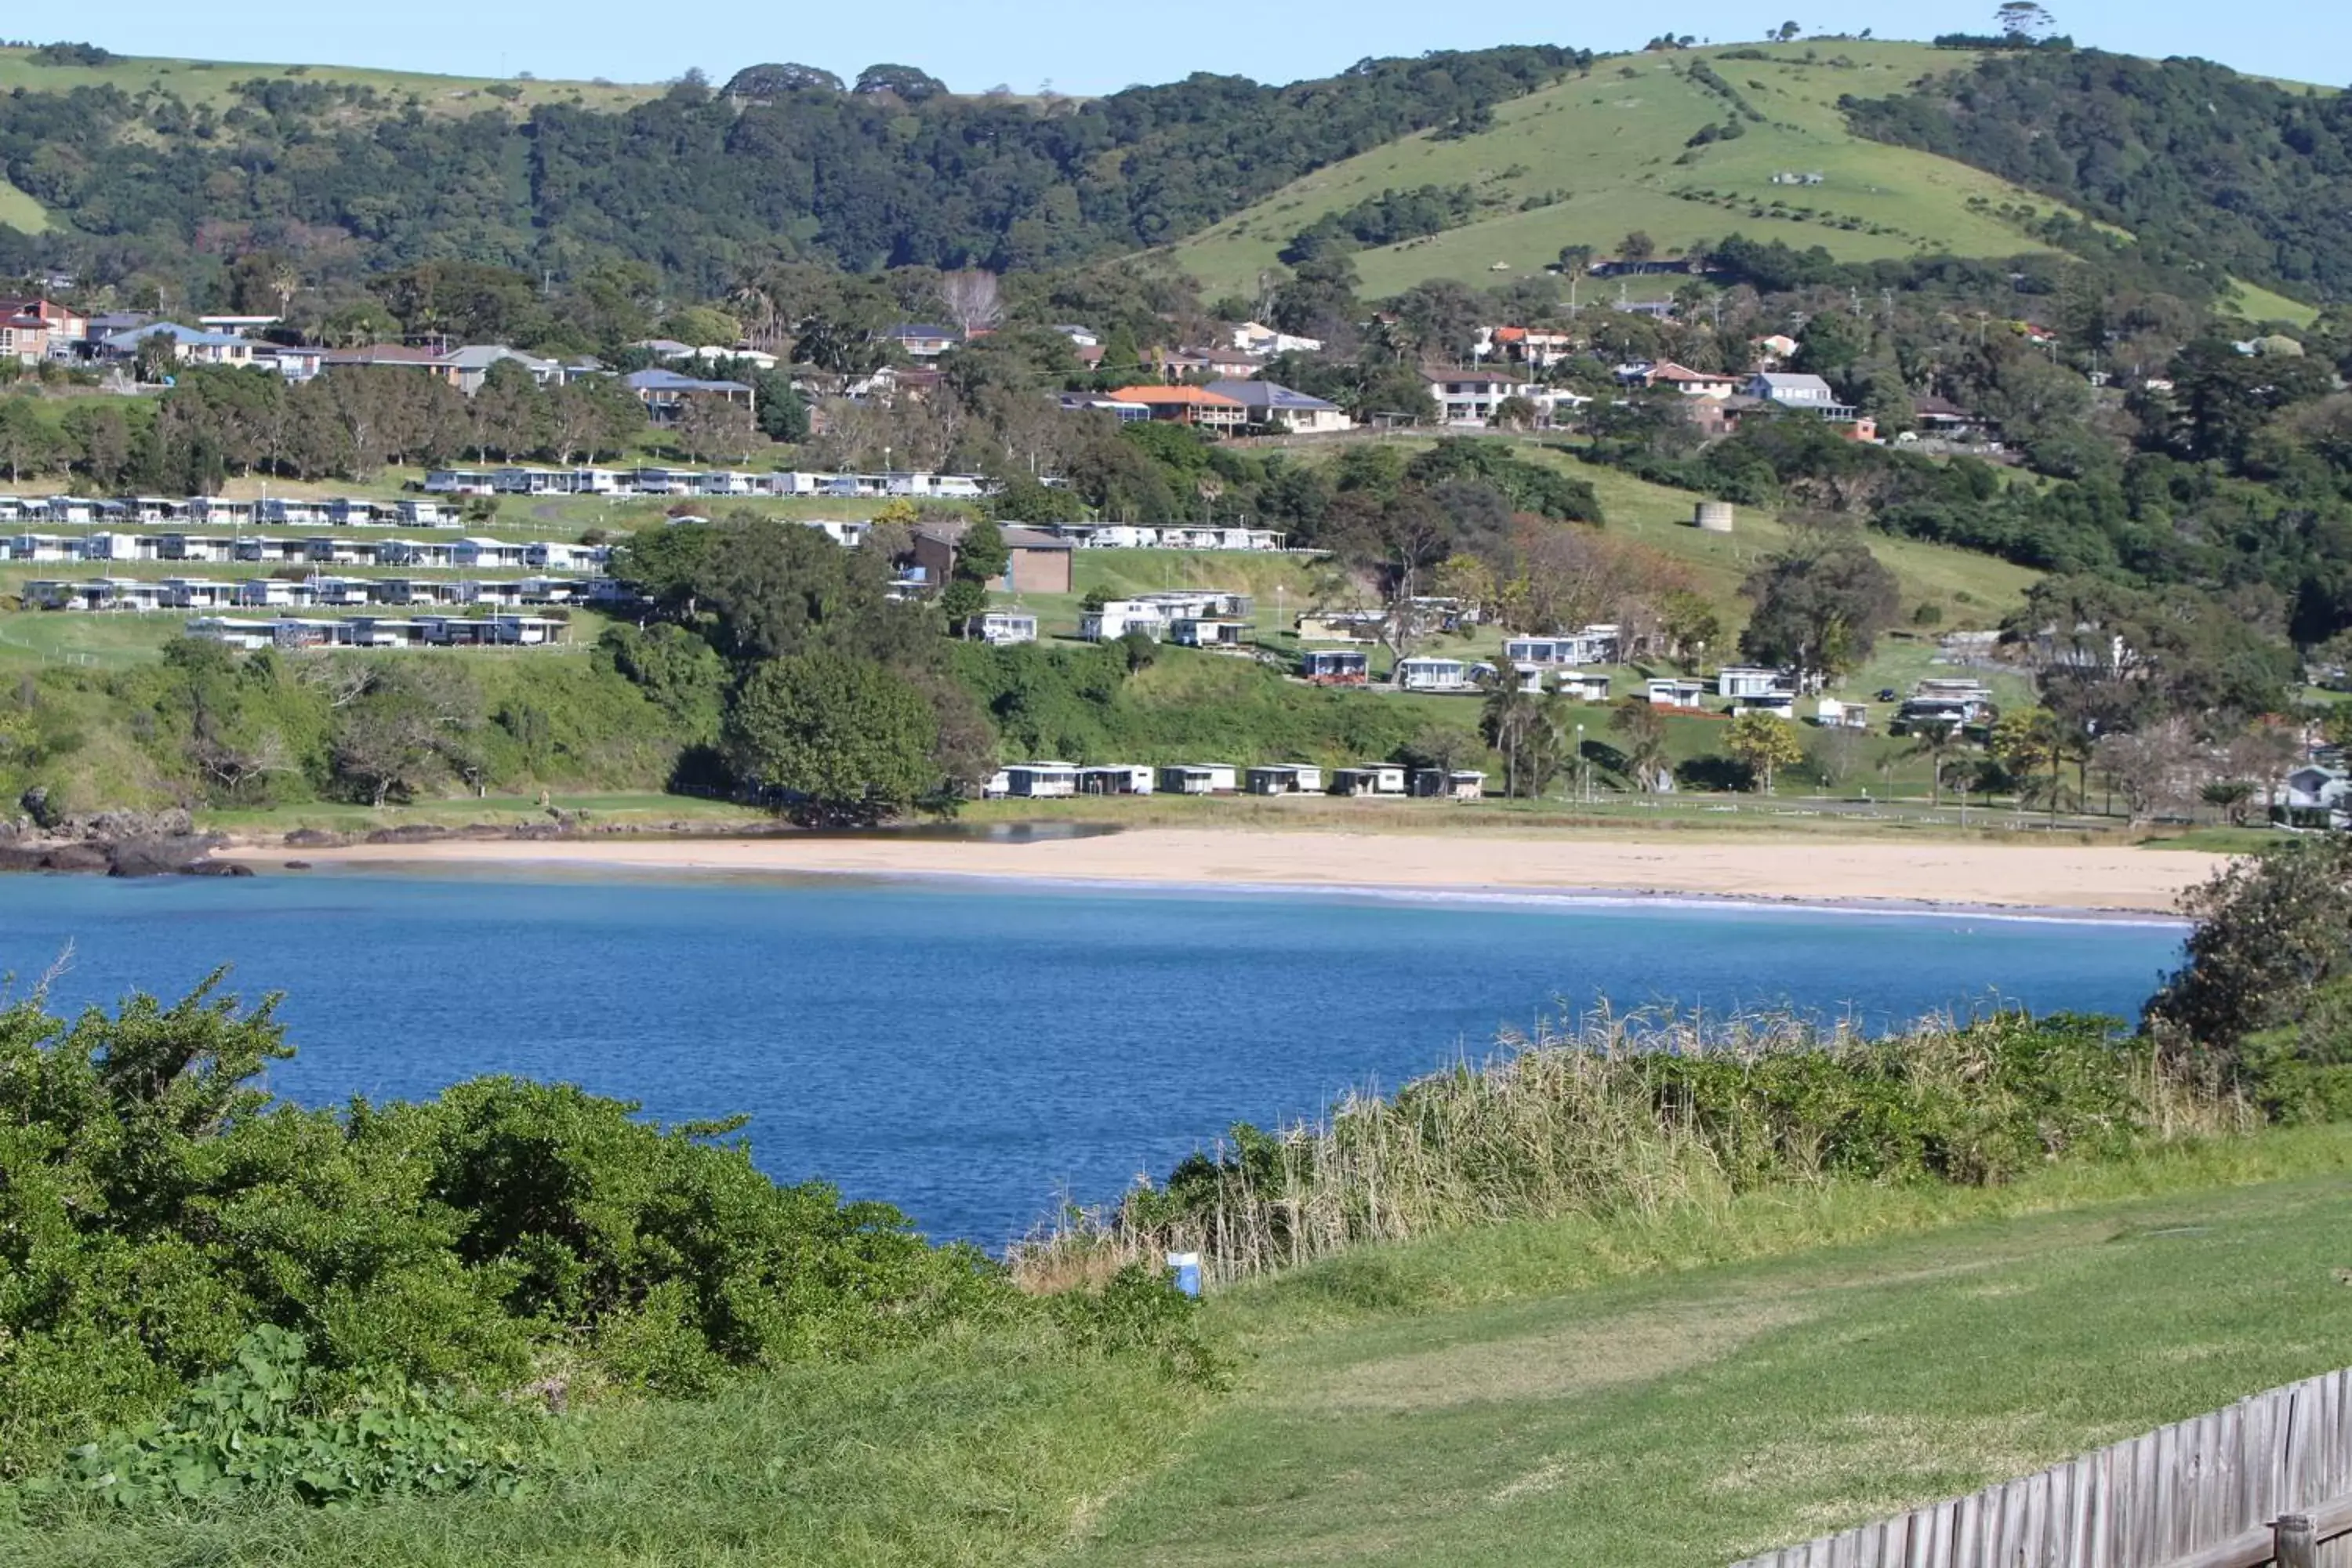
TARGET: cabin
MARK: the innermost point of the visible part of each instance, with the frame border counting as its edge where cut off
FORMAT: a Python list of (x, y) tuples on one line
[(1780, 704), (118, 547), (40, 547), (1737, 681), (1208, 631), (487, 552), (1285, 778), (1340, 627), (1427, 673), (426, 513), (271, 593), (1116, 778), (1000, 628), (1449, 784), (194, 547), (1378, 778), (217, 512), (198, 593), (1199, 778), (1831, 714), (1334, 666), (1591, 644), (1674, 692), (1041, 781), (1585, 686)]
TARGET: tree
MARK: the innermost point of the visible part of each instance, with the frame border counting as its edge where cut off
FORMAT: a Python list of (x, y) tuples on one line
[(1637, 246), (1689, 625), (2229, 797), (710, 428), (843, 738), (1764, 744), (2274, 933), (1819, 607), (903, 83), (974, 302), (27, 444), (1641, 730), (2022, 20), (1509, 723), (2031, 745), (1788, 30), (1935, 741), (410, 722), (981, 558)]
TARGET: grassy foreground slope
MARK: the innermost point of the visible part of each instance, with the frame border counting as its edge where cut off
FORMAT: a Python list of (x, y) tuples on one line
[(1486, 1399), (1609, 142), (1670, 1390)]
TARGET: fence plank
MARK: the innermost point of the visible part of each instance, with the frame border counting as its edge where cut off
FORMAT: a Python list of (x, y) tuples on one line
[(2197, 1489)]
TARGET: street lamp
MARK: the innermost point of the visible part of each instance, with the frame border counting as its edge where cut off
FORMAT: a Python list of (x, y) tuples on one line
[(1584, 770)]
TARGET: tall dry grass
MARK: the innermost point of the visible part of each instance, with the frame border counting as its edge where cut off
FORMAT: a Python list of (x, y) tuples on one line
[(1638, 1115)]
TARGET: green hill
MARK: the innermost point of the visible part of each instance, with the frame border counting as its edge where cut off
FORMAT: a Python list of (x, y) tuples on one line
[(1604, 152), (1592, 159), (212, 82)]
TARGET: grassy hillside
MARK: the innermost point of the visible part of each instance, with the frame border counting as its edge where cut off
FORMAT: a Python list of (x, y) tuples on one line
[(1639, 1390), (1608, 145), (209, 81)]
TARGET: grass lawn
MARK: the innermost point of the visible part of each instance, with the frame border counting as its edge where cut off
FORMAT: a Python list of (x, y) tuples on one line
[(1617, 1394)]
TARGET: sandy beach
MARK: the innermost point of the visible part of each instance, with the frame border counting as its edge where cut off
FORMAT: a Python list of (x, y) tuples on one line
[(2056, 877)]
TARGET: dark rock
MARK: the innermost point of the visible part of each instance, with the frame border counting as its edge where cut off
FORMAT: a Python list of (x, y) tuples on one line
[(156, 857), (217, 868), (418, 833), (297, 865), (36, 801), (71, 858), (315, 839)]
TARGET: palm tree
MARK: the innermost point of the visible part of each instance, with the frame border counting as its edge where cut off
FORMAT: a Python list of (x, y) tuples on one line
[(1934, 742), (1509, 722), (1642, 730)]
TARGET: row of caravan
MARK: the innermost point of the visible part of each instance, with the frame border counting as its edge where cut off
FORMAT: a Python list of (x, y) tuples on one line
[(1062, 781)]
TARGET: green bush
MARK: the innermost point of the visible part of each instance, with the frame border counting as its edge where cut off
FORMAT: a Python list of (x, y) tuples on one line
[(156, 1208)]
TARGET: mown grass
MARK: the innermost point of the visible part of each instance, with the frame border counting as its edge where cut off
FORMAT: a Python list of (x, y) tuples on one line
[(1631, 1392)]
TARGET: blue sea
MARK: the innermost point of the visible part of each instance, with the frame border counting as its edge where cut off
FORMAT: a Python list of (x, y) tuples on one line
[(975, 1053)]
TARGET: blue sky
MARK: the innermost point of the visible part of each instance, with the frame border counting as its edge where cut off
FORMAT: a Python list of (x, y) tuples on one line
[(1098, 45)]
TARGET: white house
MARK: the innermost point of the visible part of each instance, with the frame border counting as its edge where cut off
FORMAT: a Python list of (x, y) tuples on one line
[(1471, 396), (1116, 778), (1376, 778), (1832, 714), (1285, 778), (1279, 407), (1041, 781), (1199, 778), (1674, 692), (1749, 680)]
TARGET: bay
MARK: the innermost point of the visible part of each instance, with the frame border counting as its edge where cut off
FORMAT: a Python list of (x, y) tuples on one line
[(973, 1052)]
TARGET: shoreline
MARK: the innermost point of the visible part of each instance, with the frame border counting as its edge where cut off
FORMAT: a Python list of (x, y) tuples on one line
[(1861, 877)]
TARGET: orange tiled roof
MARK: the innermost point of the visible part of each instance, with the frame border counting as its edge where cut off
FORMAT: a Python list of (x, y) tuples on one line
[(1176, 395)]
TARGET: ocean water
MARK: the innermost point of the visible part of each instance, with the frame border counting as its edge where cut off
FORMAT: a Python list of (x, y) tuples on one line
[(974, 1052)]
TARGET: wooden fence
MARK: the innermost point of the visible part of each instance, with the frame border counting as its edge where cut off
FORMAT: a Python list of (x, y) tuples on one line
[(2267, 1480)]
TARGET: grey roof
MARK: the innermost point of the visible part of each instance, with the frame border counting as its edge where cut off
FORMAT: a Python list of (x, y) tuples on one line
[(671, 381), (177, 333), (1777, 382), (481, 356), (1267, 396)]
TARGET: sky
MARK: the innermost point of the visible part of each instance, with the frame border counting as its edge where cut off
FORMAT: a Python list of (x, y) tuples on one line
[(1099, 45)]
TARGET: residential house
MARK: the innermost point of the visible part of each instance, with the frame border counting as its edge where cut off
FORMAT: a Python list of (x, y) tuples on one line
[(1449, 784), (62, 327), (1192, 405), (1692, 383), (1943, 418), (1804, 393), (190, 345), (1000, 628), (1126, 413), (1378, 778), (1085, 343), (1776, 348), (431, 362), (470, 365), (1113, 619), (665, 392), (1471, 396), (1334, 665), (293, 363), (23, 335), (1261, 341), (1035, 562), (2314, 796), (1526, 345), (1285, 778), (922, 341), (1279, 407)]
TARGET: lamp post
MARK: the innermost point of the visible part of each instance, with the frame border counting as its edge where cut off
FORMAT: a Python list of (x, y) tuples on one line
[(1584, 771)]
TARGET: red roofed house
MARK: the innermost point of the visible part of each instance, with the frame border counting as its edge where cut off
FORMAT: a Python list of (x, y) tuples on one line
[(1691, 383), (1192, 406)]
